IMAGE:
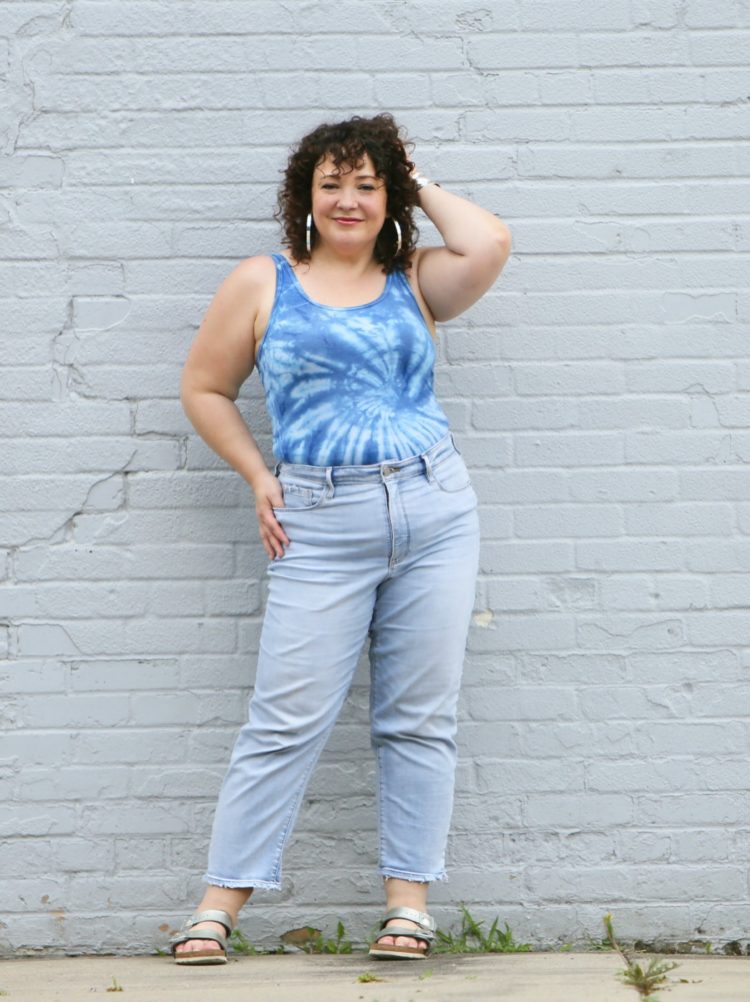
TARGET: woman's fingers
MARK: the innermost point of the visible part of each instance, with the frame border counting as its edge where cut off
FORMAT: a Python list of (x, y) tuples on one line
[(272, 533), (269, 494)]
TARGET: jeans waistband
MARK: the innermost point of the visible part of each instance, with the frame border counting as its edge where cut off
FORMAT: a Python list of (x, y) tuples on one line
[(411, 466)]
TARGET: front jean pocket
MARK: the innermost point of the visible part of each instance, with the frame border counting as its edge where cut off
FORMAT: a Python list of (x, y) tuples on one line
[(451, 474), (298, 497)]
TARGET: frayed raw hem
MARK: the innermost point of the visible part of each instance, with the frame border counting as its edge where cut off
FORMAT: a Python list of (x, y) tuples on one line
[(421, 878), (267, 885)]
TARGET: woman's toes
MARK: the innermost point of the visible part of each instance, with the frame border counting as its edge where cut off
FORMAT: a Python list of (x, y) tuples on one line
[(193, 945), (406, 941), (400, 940)]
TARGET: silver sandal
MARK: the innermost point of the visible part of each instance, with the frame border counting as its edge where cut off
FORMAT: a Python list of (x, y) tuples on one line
[(203, 956), (425, 932)]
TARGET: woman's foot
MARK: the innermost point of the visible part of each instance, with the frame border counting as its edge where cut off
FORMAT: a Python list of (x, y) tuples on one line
[(409, 894), (418, 944), (228, 899), (204, 945)]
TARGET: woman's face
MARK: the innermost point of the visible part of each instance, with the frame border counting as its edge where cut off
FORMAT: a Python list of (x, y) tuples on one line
[(348, 203)]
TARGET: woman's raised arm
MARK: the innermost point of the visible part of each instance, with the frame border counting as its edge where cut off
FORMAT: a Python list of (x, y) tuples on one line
[(477, 245)]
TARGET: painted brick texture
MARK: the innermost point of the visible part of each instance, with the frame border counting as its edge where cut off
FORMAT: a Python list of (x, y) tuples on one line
[(600, 395)]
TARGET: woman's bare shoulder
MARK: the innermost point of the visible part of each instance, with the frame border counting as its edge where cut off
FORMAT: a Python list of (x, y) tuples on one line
[(255, 272)]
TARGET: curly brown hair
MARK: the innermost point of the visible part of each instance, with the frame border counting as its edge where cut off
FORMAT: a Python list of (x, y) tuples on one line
[(347, 143)]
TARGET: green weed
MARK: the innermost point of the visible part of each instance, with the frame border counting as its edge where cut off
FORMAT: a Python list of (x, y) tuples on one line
[(471, 938), (368, 976), (646, 981), (319, 944), (241, 944), (115, 987)]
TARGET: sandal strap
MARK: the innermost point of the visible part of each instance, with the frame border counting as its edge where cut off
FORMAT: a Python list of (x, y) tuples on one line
[(200, 934), (427, 922), (213, 915), (208, 915), (401, 930)]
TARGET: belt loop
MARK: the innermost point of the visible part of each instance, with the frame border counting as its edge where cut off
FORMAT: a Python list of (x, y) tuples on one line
[(329, 482), (427, 467), (454, 443)]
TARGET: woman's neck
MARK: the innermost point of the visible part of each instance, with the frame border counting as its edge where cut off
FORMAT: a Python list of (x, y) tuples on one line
[(352, 265)]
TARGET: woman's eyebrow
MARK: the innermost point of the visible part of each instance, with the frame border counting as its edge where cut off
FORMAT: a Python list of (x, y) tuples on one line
[(337, 175)]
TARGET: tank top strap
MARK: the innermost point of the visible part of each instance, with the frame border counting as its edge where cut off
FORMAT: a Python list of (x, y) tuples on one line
[(284, 275), (399, 277)]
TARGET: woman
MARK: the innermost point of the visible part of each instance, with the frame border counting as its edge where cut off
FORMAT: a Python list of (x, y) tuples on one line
[(369, 518)]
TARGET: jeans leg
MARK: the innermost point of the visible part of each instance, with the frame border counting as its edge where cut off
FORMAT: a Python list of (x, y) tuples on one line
[(314, 628), (419, 632)]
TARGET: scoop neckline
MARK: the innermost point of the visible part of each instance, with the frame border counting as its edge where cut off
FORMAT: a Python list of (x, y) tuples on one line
[(324, 306)]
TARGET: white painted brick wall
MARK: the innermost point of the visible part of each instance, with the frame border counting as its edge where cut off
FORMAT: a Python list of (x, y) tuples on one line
[(601, 396)]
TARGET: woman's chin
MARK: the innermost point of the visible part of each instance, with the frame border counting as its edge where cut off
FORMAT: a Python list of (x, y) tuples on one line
[(348, 243)]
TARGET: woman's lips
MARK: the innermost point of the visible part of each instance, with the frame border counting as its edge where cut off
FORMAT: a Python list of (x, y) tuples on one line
[(347, 222)]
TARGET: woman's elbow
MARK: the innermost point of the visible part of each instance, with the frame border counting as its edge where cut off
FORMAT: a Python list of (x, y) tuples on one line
[(498, 247), (502, 238), (187, 385), (192, 388)]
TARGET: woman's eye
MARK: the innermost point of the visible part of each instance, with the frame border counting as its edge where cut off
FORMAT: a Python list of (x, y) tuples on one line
[(367, 187), (329, 186)]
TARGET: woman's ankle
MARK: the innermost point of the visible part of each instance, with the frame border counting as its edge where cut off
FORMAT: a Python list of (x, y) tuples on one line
[(405, 894), (227, 899)]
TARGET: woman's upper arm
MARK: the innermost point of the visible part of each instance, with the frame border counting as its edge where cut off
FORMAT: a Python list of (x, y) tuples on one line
[(222, 354), (451, 283)]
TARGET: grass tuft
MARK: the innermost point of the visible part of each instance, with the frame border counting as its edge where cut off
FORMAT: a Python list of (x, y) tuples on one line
[(646, 981), (337, 945), (471, 938), (241, 944)]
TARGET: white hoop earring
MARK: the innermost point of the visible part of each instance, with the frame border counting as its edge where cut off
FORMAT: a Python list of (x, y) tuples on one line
[(398, 234), (308, 232)]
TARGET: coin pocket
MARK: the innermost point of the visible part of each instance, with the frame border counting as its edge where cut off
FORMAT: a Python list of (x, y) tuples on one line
[(298, 498)]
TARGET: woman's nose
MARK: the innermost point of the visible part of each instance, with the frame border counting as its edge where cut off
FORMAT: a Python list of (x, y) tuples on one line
[(347, 197)]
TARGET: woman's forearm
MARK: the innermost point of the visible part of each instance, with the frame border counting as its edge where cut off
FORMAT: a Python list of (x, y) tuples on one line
[(465, 227), (219, 423)]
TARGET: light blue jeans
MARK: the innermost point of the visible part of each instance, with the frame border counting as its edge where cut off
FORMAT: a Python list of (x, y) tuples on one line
[(390, 549)]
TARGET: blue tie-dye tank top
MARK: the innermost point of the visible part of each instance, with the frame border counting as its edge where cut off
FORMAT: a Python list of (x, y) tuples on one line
[(348, 385)]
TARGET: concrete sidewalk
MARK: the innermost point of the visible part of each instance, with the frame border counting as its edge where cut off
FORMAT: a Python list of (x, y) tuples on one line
[(521, 977)]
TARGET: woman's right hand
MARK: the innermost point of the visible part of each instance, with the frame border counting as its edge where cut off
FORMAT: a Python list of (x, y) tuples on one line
[(269, 495)]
